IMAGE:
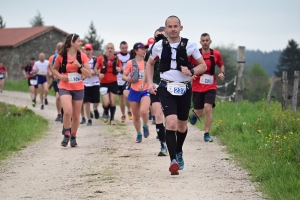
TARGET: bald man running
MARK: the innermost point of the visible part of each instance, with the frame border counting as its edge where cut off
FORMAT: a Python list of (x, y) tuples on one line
[(55, 81), (40, 68)]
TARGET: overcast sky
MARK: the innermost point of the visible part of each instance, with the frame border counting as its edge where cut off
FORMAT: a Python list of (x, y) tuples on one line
[(257, 24)]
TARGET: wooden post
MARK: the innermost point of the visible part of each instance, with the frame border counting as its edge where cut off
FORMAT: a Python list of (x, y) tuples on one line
[(239, 89), (295, 90), (270, 90), (284, 90)]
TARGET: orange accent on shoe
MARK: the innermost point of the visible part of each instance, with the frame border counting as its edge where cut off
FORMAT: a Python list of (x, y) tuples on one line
[(174, 167), (123, 119), (130, 115)]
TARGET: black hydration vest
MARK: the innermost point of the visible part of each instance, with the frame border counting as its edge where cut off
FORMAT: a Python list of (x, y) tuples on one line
[(63, 68), (212, 61), (105, 65), (181, 55)]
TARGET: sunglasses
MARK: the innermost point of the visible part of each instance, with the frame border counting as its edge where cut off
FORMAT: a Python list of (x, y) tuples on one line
[(74, 34)]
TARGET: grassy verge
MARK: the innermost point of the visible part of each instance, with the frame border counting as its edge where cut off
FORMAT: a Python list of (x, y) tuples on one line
[(265, 141), (20, 86), (18, 127)]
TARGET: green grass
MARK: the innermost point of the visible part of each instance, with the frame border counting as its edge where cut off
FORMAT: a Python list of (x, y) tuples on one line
[(18, 127), (20, 86), (265, 141)]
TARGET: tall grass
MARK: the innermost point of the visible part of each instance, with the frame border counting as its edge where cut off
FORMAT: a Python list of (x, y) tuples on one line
[(265, 141), (18, 127)]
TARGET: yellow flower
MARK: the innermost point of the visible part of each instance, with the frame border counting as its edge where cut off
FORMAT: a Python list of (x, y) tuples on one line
[(291, 133), (285, 137), (259, 131)]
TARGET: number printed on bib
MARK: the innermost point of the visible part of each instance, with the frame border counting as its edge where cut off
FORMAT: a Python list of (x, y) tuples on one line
[(33, 81), (74, 77), (207, 79), (176, 89), (141, 74), (1, 75)]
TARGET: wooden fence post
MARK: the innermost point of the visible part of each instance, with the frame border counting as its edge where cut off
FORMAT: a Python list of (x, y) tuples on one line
[(270, 90), (239, 88), (295, 90), (284, 90)]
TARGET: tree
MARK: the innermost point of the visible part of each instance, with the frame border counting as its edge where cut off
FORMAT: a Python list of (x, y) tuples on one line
[(93, 38), (256, 83), (2, 24), (37, 20), (289, 60)]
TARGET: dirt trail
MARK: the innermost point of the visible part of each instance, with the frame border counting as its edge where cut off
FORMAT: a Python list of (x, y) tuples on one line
[(109, 165)]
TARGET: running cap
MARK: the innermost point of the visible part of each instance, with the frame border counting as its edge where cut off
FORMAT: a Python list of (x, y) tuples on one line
[(140, 45), (88, 46)]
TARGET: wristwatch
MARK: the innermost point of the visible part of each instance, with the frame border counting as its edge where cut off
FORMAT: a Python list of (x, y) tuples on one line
[(192, 71), (81, 66), (223, 73)]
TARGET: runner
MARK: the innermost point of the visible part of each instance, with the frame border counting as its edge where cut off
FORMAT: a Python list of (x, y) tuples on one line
[(32, 81), (55, 82), (40, 68), (72, 65), (205, 86), (3, 75), (174, 89), (124, 56), (155, 102), (107, 67), (139, 96), (91, 87)]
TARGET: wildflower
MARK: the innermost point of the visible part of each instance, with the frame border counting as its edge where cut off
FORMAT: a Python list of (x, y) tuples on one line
[(259, 131), (285, 137), (291, 133), (244, 123)]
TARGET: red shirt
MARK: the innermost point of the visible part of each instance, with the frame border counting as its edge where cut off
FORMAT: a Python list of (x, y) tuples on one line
[(199, 87), (2, 69), (109, 77), (28, 69)]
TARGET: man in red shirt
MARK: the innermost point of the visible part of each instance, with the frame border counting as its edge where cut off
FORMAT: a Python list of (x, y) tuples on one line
[(3, 75), (204, 87), (32, 81)]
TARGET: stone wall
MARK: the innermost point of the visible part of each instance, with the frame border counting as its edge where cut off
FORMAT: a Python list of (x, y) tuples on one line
[(14, 58)]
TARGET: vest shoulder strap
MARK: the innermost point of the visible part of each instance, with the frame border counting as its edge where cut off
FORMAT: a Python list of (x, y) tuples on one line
[(212, 61)]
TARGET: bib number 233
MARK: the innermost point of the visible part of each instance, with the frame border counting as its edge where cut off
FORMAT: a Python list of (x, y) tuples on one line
[(176, 89)]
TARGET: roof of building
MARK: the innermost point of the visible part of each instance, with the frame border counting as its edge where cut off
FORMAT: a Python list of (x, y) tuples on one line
[(12, 37)]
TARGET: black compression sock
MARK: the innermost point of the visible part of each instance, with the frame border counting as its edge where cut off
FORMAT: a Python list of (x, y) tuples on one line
[(160, 129), (180, 140), (112, 112), (171, 143), (106, 110)]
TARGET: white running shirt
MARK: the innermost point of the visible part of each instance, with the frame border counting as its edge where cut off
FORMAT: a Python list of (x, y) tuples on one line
[(42, 66), (94, 80), (175, 75), (123, 59)]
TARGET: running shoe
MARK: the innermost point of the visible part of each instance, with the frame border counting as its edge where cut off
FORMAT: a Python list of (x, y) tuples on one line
[(58, 118), (163, 151), (105, 118), (65, 141), (112, 122), (130, 115), (207, 138), (91, 115), (193, 119), (89, 123), (33, 103), (96, 113), (46, 101), (83, 121), (146, 131), (174, 167), (42, 107), (153, 120), (73, 142), (123, 118), (139, 139), (180, 161)]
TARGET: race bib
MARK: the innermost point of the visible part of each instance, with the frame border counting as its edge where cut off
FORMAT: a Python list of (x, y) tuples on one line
[(33, 82), (103, 90), (121, 82), (42, 71), (206, 79), (74, 77), (176, 89), (1, 75), (141, 74)]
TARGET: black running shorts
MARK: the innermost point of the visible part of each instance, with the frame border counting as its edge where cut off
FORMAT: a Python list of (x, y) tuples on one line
[(92, 94), (200, 98), (175, 105), (106, 88)]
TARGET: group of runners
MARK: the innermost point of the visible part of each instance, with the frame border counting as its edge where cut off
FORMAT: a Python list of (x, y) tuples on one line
[(164, 76)]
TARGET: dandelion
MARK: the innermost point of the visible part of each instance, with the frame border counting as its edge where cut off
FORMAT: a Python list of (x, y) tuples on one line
[(291, 133), (259, 131), (285, 137)]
